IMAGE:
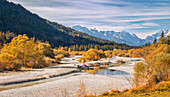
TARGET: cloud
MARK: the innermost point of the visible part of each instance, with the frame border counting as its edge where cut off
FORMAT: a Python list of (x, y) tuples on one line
[(145, 19), (150, 24), (143, 35), (133, 15), (118, 28)]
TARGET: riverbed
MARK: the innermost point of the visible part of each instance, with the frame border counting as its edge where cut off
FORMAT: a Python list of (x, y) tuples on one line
[(101, 81)]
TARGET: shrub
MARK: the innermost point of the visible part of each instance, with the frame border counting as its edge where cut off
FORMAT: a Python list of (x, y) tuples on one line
[(105, 94), (61, 51), (160, 65), (24, 51), (75, 53), (121, 55), (48, 60), (126, 55), (9, 66), (92, 55), (81, 52), (46, 49), (155, 70), (101, 54), (58, 58), (140, 73), (108, 54), (82, 60), (164, 85), (82, 90)]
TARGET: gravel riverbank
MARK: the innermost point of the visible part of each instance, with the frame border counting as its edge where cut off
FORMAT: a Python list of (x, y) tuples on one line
[(94, 84), (67, 84), (33, 74)]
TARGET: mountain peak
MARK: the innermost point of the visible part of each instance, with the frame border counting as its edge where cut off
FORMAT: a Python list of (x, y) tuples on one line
[(157, 35), (121, 37)]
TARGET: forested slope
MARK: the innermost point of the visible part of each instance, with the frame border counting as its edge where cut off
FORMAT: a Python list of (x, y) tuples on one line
[(17, 19)]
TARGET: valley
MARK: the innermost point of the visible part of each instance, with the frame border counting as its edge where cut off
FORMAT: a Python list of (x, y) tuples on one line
[(59, 83), (84, 48)]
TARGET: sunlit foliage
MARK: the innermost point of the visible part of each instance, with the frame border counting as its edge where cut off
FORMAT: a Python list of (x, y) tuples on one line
[(156, 66), (5, 38), (92, 55), (24, 51)]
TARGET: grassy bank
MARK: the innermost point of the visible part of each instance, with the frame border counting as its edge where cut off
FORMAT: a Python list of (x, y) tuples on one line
[(160, 90)]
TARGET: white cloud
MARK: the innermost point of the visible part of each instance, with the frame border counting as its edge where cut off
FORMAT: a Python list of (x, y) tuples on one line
[(102, 14), (150, 24), (145, 19), (118, 28), (143, 35)]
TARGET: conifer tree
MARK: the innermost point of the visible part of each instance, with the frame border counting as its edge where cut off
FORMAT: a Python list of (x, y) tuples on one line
[(168, 40), (154, 41), (162, 38)]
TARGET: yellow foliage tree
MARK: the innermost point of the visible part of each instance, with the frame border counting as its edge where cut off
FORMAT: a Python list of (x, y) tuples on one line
[(22, 50), (46, 49), (92, 55)]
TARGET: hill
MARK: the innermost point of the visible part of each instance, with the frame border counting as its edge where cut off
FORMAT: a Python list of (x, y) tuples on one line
[(15, 18)]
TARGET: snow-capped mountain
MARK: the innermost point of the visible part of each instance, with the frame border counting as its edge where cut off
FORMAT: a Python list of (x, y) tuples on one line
[(120, 37), (157, 35)]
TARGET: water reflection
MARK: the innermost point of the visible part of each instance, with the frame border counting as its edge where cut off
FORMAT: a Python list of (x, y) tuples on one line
[(107, 72)]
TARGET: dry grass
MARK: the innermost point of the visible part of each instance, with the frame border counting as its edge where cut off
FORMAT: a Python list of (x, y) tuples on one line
[(82, 90), (64, 92), (160, 90)]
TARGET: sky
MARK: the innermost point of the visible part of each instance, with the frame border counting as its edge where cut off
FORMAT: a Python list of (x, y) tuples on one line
[(142, 17)]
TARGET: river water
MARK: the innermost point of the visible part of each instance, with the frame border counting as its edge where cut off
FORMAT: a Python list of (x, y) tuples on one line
[(116, 73), (105, 72), (110, 72)]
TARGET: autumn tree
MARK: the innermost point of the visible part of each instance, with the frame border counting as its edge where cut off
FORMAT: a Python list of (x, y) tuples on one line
[(168, 40), (101, 54), (108, 53), (92, 55), (5, 38), (156, 65), (46, 49), (24, 51), (162, 38)]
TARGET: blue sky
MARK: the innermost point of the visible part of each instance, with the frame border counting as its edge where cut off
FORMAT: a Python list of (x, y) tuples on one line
[(142, 17)]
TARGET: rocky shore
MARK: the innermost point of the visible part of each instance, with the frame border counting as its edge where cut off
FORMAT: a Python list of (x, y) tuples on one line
[(63, 79)]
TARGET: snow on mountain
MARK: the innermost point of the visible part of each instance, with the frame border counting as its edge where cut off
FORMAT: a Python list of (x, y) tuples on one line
[(120, 37), (157, 35)]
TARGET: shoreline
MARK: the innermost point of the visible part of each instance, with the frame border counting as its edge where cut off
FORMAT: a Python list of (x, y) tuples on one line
[(96, 83), (34, 75), (37, 79), (56, 78)]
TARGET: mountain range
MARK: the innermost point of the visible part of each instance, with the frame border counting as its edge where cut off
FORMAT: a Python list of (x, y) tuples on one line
[(121, 37), (15, 18)]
